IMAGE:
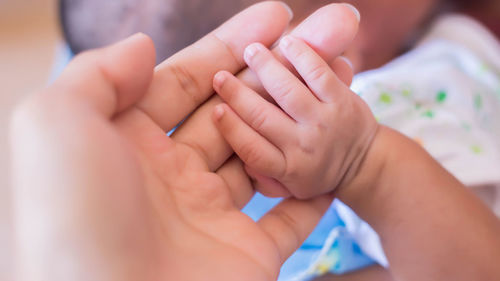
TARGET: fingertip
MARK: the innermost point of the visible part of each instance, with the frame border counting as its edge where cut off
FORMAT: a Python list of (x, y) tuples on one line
[(141, 43), (251, 51), (219, 79), (132, 39), (286, 42), (354, 10), (132, 57), (126, 68), (146, 39), (338, 26), (288, 10), (219, 111), (264, 22)]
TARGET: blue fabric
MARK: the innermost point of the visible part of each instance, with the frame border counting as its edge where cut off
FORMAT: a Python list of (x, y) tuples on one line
[(62, 58), (344, 254)]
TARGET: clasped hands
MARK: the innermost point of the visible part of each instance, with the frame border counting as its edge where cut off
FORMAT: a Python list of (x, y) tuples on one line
[(101, 193)]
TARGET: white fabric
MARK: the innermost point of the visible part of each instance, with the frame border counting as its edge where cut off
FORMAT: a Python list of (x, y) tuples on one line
[(445, 94)]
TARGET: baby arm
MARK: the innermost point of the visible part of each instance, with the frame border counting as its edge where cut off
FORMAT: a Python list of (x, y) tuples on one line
[(326, 139), (431, 226)]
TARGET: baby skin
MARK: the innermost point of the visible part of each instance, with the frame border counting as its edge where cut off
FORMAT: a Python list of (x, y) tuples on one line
[(323, 138), (291, 152)]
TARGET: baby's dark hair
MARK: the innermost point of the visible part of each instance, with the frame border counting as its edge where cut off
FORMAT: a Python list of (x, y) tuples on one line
[(172, 24)]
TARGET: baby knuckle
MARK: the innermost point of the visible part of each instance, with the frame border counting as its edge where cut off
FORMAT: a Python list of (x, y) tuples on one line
[(300, 54), (321, 130), (250, 154), (258, 118), (316, 73), (306, 144), (282, 91), (292, 171)]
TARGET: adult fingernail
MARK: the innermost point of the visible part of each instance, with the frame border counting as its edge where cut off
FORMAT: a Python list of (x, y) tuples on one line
[(289, 10), (354, 10), (348, 61)]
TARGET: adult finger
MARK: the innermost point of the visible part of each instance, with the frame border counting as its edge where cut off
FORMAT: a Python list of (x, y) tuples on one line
[(242, 182), (291, 222), (240, 186), (342, 66), (329, 31), (184, 81), (110, 80), (339, 26)]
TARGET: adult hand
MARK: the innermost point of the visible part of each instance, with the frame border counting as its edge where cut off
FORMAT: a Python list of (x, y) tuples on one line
[(329, 31), (101, 193)]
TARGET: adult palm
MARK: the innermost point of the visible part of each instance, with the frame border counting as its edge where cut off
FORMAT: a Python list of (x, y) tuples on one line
[(101, 193)]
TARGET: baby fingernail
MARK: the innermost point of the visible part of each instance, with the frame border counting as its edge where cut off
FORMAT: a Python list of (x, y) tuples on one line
[(219, 79), (251, 51), (354, 10), (286, 42), (218, 112)]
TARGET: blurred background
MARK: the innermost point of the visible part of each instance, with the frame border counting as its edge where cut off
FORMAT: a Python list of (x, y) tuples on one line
[(29, 36)]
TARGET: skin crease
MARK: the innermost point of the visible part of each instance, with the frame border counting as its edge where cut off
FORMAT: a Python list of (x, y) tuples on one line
[(294, 150), (110, 226), (113, 196), (394, 169), (403, 265), (438, 182)]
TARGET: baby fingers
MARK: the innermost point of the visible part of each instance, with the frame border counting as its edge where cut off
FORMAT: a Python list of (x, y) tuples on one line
[(253, 149), (317, 74), (286, 89), (262, 116)]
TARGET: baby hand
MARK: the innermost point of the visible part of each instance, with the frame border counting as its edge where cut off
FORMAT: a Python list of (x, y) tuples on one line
[(312, 146)]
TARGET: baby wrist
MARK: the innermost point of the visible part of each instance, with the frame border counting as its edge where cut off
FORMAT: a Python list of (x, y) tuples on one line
[(370, 173)]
